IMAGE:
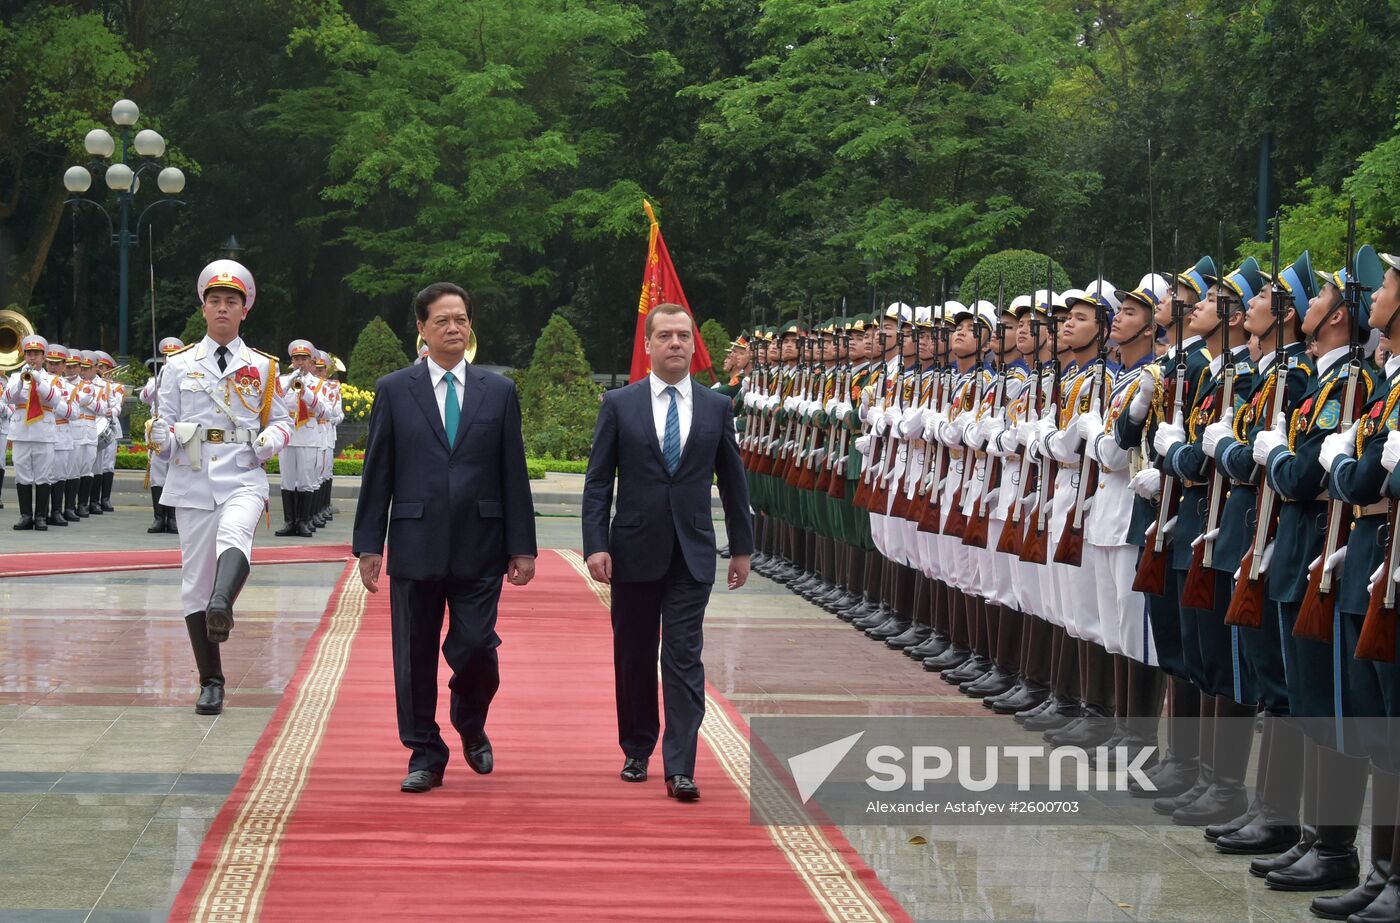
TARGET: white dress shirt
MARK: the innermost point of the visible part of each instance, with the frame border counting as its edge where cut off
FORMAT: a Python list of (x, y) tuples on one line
[(661, 405), (439, 377)]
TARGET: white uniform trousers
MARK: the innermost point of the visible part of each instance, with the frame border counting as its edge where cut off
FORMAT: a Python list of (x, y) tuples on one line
[(107, 459), (327, 462), (300, 466), (206, 534), (1003, 568), (62, 460), (1079, 599), (34, 462), (1126, 630), (84, 459), (159, 466)]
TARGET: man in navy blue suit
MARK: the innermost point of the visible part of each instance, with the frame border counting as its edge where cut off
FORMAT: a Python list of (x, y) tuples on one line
[(445, 477), (665, 441)]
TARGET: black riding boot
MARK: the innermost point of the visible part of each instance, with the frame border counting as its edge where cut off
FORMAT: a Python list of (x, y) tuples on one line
[(230, 573), (84, 496), (303, 501), (207, 661), (26, 507), (107, 477), (158, 523), (289, 516)]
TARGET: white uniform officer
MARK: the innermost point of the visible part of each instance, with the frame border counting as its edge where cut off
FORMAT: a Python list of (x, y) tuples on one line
[(54, 363), (35, 400), (222, 415), (5, 411), (300, 461), (107, 457), (156, 465), (91, 394), (334, 416)]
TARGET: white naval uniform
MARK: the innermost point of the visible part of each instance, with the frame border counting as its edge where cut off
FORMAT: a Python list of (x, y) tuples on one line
[(218, 505), (33, 440), (116, 397), (63, 433), (91, 404), (148, 396), (1002, 567), (1123, 610), (300, 461)]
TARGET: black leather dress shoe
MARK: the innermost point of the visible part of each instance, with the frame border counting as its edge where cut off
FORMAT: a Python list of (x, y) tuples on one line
[(1167, 805), (992, 683), (1321, 869), (916, 635), (952, 657), (1341, 906), (1260, 868), (889, 628), (1021, 717), (211, 699), (1385, 908), (1222, 801), (1258, 839), (682, 788), (973, 668), (634, 770), (1176, 777), (1019, 698), (479, 755), (1060, 713), (420, 780)]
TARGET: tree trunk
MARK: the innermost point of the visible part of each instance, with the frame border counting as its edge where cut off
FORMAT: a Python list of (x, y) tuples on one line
[(29, 265)]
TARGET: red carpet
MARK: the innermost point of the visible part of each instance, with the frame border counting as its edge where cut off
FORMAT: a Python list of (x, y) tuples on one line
[(47, 563), (317, 829)]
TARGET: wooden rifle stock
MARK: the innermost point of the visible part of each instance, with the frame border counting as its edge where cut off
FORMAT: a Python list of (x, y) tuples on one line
[(1319, 602), (1199, 590), (1377, 638)]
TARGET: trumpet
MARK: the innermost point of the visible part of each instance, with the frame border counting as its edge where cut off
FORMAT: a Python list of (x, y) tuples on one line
[(26, 376), (295, 383)]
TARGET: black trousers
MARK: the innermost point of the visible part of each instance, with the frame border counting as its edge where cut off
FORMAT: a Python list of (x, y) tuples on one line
[(668, 614), (416, 608)]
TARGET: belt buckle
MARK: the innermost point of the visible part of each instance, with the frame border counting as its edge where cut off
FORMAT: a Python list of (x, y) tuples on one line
[(216, 436)]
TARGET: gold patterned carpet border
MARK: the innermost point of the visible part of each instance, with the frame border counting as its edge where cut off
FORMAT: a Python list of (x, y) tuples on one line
[(816, 860), (246, 858)]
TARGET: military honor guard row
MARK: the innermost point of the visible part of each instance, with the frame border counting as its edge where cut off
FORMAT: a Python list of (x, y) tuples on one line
[(1083, 507)]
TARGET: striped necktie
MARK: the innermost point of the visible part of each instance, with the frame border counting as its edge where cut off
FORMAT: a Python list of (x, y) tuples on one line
[(671, 443)]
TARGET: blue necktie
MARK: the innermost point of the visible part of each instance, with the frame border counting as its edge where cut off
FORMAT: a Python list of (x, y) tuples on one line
[(671, 444), (452, 411)]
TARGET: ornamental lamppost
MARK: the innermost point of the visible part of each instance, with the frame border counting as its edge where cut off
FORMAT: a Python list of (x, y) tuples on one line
[(123, 176)]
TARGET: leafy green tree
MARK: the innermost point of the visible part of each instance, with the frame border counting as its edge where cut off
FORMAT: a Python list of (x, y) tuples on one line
[(558, 397), (1020, 271), (195, 328), (377, 352), (716, 340)]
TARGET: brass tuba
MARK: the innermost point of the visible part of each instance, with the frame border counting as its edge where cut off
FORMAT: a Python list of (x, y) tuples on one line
[(14, 327), (471, 346)]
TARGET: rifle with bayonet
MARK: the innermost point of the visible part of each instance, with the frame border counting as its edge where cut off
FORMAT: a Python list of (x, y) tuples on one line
[(1152, 566), (930, 515), (1013, 533), (888, 388), (1198, 592), (1070, 548), (956, 522), (979, 526), (1035, 541), (1247, 604), (1319, 602)]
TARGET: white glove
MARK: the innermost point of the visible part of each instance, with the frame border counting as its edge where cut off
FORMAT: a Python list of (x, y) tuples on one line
[(892, 417), (991, 427), (1270, 439), (1374, 578), (1090, 425), (863, 445), (1147, 483), (1025, 433), (843, 409), (951, 434), (912, 423), (1210, 536), (160, 432), (1169, 436), (1334, 561), (830, 406), (989, 502), (1003, 444), (264, 447), (1335, 446), (1142, 398), (879, 424), (1390, 456), (791, 403), (1218, 432)]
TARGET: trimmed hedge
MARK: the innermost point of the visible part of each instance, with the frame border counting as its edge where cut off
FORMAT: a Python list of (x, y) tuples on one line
[(351, 467)]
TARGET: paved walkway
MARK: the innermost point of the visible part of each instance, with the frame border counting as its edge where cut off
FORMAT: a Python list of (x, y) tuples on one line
[(108, 780)]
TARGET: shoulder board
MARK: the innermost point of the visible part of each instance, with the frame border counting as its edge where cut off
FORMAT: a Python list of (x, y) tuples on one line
[(263, 354), (182, 349)]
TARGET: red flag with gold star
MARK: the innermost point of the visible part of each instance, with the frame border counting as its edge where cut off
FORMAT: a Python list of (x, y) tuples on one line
[(661, 285)]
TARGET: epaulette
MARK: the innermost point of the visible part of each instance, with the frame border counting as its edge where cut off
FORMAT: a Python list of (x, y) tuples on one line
[(261, 353), (182, 349)]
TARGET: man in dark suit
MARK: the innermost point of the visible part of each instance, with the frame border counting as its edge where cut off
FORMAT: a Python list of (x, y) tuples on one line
[(445, 477), (666, 441)]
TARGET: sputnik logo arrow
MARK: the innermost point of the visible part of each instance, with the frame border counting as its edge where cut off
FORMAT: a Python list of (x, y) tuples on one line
[(810, 769)]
